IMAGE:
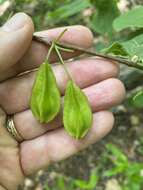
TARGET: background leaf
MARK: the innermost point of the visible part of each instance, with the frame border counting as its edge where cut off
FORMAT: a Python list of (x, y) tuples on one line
[(68, 10), (104, 15), (138, 99), (2, 1), (134, 46), (130, 48), (132, 18), (116, 49), (90, 184)]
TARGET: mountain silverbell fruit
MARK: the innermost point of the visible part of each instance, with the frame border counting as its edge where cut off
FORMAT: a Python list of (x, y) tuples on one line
[(45, 100), (77, 115)]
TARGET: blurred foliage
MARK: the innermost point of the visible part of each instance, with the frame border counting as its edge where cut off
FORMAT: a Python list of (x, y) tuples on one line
[(132, 18), (114, 164), (105, 13), (130, 172), (47, 13)]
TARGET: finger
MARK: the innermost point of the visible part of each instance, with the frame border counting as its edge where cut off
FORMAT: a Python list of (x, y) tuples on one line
[(101, 96), (10, 170), (77, 35), (15, 38), (15, 93), (58, 145)]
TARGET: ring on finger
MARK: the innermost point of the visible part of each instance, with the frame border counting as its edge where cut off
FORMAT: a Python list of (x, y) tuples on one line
[(12, 129)]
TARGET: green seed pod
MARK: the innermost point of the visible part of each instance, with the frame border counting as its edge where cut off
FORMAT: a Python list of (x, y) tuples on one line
[(77, 116), (45, 99)]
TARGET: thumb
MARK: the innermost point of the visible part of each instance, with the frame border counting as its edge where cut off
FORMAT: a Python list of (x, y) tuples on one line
[(15, 38)]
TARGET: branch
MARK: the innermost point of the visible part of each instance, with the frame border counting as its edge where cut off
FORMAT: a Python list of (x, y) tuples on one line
[(75, 48)]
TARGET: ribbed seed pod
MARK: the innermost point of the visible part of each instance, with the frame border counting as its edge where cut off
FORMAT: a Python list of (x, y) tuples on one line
[(77, 116), (45, 99)]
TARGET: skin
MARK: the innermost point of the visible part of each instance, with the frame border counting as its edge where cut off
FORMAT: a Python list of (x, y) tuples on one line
[(97, 78)]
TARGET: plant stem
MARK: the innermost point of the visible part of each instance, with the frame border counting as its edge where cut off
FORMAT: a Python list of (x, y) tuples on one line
[(50, 50), (75, 48), (62, 62), (61, 34), (53, 44)]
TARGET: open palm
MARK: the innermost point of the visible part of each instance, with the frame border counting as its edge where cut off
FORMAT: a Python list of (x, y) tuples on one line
[(44, 144)]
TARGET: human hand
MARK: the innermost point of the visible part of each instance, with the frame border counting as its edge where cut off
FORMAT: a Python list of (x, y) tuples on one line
[(43, 145)]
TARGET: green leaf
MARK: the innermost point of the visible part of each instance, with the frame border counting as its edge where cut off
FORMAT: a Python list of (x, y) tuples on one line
[(138, 99), (46, 187), (77, 112), (119, 155), (116, 49), (114, 171), (1, 1), (68, 10), (135, 170), (132, 18), (89, 185), (93, 179), (104, 15), (45, 99), (132, 48), (61, 183)]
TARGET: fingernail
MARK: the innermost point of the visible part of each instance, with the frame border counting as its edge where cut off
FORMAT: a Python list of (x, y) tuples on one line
[(14, 23)]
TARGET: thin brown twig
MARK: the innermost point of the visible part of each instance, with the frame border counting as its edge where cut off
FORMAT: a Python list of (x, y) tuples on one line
[(89, 52)]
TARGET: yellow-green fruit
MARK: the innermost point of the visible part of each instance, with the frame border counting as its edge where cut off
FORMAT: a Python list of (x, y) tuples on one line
[(45, 99), (77, 116)]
